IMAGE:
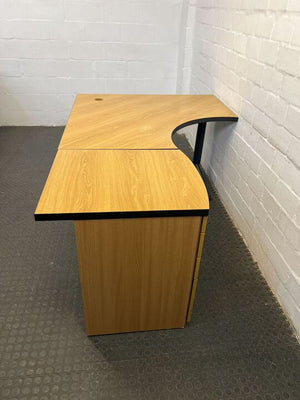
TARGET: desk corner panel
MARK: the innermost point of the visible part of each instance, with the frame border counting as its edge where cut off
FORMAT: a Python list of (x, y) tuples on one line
[(136, 273)]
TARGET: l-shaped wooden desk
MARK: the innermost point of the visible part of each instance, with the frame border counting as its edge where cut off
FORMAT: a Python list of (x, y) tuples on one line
[(139, 205)]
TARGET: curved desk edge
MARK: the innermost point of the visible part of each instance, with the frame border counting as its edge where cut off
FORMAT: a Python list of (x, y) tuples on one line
[(203, 120)]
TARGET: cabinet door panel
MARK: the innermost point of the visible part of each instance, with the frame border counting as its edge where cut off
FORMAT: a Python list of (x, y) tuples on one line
[(136, 273)]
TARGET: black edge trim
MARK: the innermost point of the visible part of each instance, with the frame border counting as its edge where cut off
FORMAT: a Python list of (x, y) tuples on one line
[(202, 120), (120, 215)]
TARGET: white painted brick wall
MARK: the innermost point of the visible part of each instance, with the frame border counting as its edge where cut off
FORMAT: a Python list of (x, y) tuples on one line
[(251, 61), (52, 49)]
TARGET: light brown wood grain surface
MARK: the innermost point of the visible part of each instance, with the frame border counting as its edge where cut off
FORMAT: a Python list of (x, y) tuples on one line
[(107, 181), (136, 274), (104, 121)]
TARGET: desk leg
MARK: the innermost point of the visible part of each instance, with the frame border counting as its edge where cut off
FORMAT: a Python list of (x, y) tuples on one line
[(199, 143), (136, 273)]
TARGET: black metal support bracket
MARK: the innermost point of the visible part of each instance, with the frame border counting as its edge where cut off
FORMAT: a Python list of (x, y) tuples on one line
[(199, 143), (198, 149)]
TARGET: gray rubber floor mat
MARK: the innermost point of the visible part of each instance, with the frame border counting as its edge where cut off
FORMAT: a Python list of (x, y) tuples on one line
[(238, 345)]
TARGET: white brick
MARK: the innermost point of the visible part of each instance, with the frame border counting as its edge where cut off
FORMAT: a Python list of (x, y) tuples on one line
[(253, 160), (293, 5), (288, 172), (234, 174), (154, 86), (277, 238), (246, 88), (265, 150), (32, 10), (262, 123), (272, 205), (57, 68), (111, 69), (151, 70), (296, 35), (288, 60), (268, 52), (87, 51), (121, 86), (264, 26), (282, 29), (70, 31), (141, 52), (45, 102), (290, 230), (293, 151), (11, 10), (170, 34), (241, 166), (249, 135), (280, 138), (85, 85), (259, 211), (168, 13), (253, 48), (267, 176), (240, 43), (279, 4), (291, 90), (287, 199), (226, 38), (85, 11), (48, 10), (244, 190), (255, 184), (10, 102), (242, 206), (276, 108), (254, 4), (247, 110), (137, 33), (275, 250), (245, 23), (104, 32), (272, 79), (292, 122), (255, 71), (142, 12), (37, 85), (298, 216), (27, 30), (259, 98), (10, 68), (34, 49)]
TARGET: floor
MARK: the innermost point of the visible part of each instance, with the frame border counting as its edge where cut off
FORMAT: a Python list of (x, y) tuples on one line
[(239, 344)]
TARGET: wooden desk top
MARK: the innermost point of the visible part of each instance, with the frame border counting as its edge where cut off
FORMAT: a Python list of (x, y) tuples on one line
[(116, 158), (90, 184), (136, 121)]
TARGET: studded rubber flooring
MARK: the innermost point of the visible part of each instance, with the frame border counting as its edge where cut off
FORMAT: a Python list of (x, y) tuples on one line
[(239, 344)]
